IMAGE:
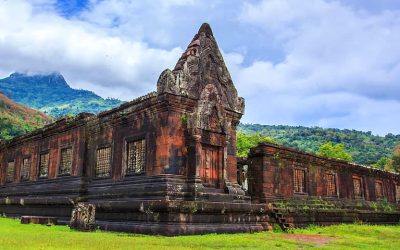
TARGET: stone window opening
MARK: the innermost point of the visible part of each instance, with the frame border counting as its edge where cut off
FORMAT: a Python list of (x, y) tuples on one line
[(103, 162), (379, 191), (44, 161), (299, 180), (358, 188), (331, 186), (26, 169), (135, 160), (65, 166), (10, 172)]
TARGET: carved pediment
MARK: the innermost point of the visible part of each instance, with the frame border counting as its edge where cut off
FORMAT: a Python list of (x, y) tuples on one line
[(214, 122), (209, 114), (201, 64)]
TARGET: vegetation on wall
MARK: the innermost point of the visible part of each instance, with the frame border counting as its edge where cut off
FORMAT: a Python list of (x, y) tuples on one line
[(52, 95)]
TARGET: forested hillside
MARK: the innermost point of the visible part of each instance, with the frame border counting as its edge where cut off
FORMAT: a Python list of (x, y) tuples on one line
[(51, 94), (364, 147), (16, 119)]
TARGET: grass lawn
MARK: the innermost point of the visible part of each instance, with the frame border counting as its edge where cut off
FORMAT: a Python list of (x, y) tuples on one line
[(14, 235)]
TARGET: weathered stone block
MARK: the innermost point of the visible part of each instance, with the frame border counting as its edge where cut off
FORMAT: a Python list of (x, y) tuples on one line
[(83, 217), (43, 220)]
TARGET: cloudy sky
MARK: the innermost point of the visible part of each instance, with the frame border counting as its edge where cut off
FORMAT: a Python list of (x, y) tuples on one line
[(297, 62)]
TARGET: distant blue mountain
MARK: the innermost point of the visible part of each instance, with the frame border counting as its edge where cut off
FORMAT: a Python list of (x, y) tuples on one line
[(51, 94)]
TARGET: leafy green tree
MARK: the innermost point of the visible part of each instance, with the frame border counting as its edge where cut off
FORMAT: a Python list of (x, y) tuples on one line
[(246, 141), (385, 163), (396, 158), (337, 151)]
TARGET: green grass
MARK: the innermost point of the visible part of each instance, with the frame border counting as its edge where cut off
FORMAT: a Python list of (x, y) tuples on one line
[(14, 235)]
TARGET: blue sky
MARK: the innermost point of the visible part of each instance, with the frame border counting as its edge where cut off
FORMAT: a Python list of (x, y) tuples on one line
[(311, 62), (69, 8)]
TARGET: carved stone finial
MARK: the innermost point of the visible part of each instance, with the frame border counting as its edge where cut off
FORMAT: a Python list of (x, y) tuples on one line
[(166, 83), (205, 28)]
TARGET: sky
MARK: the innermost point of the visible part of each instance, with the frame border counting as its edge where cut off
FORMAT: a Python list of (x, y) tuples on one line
[(326, 63)]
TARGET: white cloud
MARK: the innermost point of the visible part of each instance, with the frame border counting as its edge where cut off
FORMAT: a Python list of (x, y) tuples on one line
[(311, 63), (151, 20), (42, 41), (329, 48)]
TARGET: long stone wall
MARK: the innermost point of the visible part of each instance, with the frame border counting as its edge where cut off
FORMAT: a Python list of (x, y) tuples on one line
[(309, 189), (273, 169)]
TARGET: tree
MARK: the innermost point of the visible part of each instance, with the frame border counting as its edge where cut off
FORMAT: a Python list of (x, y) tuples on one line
[(385, 163), (396, 158), (334, 151), (246, 141)]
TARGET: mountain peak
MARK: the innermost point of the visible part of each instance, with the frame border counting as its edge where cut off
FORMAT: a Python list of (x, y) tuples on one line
[(37, 74), (16, 75), (53, 79), (56, 77), (50, 93)]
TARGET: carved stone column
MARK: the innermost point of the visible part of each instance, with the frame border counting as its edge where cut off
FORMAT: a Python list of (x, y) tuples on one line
[(198, 149), (194, 164)]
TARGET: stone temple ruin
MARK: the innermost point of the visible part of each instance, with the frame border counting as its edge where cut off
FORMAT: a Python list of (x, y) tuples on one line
[(166, 163)]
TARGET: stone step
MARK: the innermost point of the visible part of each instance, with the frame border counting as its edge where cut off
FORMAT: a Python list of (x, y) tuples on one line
[(213, 190), (226, 197)]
